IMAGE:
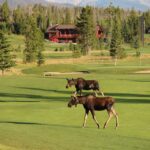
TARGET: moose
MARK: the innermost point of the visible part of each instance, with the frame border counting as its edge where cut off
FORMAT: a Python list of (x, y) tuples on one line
[(82, 84), (92, 103)]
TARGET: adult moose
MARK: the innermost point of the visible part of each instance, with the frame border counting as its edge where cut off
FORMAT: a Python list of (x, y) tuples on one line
[(92, 103), (82, 84)]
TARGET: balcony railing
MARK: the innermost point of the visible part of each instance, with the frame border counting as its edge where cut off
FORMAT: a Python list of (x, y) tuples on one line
[(68, 35)]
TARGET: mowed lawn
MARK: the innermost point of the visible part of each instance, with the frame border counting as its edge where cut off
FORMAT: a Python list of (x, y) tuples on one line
[(34, 113)]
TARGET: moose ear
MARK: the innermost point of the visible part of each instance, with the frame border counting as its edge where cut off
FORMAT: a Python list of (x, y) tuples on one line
[(72, 79), (67, 79)]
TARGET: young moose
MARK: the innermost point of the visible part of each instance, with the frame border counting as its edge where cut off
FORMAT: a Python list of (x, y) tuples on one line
[(82, 84), (92, 103)]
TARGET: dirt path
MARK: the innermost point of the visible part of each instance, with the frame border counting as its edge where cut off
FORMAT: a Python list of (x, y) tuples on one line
[(143, 72), (12, 71), (62, 73)]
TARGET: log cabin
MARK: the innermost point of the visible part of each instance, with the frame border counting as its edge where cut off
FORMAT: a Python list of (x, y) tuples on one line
[(67, 33)]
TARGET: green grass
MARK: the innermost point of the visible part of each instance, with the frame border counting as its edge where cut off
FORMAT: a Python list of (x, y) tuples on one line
[(58, 55), (34, 113), (50, 46), (52, 68), (94, 68)]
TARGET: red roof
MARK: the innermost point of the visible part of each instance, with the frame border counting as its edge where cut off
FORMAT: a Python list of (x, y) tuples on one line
[(59, 27)]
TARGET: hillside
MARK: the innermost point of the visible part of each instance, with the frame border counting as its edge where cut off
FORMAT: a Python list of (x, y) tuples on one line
[(15, 3), (123, 4)]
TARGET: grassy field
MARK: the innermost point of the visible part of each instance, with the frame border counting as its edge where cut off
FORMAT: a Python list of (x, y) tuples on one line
[(34, 113)]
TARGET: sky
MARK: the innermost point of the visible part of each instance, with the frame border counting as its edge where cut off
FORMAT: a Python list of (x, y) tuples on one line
[(76, 2)]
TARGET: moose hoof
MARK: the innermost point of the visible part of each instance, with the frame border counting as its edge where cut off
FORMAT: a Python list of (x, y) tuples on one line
[(104, 126), (116, 126)]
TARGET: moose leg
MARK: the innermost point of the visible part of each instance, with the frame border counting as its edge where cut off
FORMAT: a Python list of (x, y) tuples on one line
[(76, 92), (110, 116), (80, 92), (85, 118), (95, 93), (116, 116), (101, 92), (94, 118)]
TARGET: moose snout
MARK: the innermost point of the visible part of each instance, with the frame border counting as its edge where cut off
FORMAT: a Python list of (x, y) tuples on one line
[(67, 86), (69, 105)]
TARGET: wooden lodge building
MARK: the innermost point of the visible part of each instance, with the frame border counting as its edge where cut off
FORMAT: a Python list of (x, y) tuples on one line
[(67, 33)]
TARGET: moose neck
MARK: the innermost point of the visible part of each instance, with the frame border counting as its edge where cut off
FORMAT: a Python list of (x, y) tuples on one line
[(75, 81), (81, 99)]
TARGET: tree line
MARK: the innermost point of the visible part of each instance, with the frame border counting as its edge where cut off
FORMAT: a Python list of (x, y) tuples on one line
[(15, 20)]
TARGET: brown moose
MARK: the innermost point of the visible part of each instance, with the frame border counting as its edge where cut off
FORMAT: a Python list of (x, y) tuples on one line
[(92, 103)]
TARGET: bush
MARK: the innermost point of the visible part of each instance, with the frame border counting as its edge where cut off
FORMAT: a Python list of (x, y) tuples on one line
[(121, 53), (61, 49), (56, 50), (71, 46), (138, 53), (76, 53), (3, 27), (18, 49), (102, 54)]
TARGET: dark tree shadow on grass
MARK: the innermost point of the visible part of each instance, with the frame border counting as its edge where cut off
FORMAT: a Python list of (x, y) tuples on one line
[(46, 90), (21, 123), (132, 80), (34, 98), (19, 101), (38, 124), (120, 97), (128, 95), (131, 98), (134, 101)]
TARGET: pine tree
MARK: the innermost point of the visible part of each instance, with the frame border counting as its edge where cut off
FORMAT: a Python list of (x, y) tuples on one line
[(133, 23), (116, 50), (86, 30), (5, 11), (147, 20), (34, 44), (17, 19), (125, 32), (30, 41), (6, 57), (40, 48)]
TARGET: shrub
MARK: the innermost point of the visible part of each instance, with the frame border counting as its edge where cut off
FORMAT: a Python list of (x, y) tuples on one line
[(121, 53), (76, 53), (138, 53), (61, 49)]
